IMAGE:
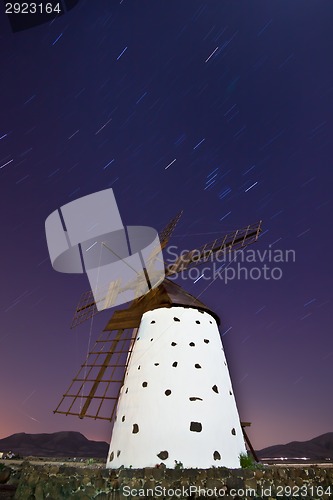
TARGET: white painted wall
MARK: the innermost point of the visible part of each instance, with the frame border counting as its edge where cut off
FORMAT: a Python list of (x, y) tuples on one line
[(163, 421)]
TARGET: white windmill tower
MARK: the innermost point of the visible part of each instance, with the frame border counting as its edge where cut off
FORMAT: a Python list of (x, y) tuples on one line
[(162, 365)]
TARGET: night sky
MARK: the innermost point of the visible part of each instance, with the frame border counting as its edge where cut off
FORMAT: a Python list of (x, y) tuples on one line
[(221, 108)]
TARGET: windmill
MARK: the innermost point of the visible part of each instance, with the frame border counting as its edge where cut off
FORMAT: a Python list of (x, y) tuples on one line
[(158, 370)]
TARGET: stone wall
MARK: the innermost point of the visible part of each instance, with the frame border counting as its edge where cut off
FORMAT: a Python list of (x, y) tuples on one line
[(57, 481)]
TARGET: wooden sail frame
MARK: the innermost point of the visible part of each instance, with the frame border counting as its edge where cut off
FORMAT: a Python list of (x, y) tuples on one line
[(97, 384), (230, 242)]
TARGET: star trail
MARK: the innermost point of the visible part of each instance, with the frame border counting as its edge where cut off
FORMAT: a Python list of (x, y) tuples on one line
[(220, 110)]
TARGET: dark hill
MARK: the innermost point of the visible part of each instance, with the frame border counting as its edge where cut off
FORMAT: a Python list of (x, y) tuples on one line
[(319, 448), (57, 444), (74, 444)]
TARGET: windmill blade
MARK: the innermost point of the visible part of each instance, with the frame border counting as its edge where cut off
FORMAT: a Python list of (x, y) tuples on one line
[(87, 308), (165, 234), (148, 275), (95, 389), (155, 256), (230, 242)]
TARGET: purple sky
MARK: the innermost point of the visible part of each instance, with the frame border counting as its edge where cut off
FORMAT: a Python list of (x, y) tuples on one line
[(111, 94)]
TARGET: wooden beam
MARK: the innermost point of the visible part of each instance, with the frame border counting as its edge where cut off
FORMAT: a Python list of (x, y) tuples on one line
[(248, 442), (100, 374)]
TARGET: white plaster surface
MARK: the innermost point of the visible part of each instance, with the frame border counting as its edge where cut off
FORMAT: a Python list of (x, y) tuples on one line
[(163, 422)]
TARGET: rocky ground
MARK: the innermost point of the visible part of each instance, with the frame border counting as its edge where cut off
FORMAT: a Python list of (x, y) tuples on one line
[(38, 479)]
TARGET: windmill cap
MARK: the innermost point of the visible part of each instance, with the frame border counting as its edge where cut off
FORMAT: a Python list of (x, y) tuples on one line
[(172, 295)]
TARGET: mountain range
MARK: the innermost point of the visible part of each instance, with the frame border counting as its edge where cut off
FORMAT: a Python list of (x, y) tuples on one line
[(74, 444), (319, 448), (57, 444)]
